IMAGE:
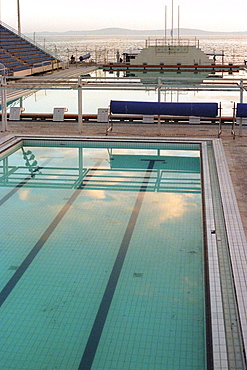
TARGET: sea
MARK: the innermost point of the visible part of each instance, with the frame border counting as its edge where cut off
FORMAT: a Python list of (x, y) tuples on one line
[(103, 49)]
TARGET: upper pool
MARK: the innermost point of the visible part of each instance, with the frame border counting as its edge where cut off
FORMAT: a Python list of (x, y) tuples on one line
[(185, 87)]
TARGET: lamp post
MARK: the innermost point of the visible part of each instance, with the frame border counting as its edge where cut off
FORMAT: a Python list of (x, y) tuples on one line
[(172, 23), (18, 17)]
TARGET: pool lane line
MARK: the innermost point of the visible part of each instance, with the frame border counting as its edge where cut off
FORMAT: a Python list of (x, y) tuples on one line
[(100, 319), (5, 292), (21, 184)]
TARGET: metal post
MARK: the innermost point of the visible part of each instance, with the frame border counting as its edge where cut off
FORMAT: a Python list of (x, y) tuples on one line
[(159, 87), (234, 120), (4, 105), (6, 170), (79, 106), (220, 121), (3, 98), (172, 23), (241, 101), (80, 163)]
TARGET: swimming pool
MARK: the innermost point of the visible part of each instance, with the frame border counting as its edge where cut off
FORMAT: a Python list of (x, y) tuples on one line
[(104, 255)]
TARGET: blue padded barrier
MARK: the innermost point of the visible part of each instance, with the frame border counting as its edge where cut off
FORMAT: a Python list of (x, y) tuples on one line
[(241, 110), (168, 109)]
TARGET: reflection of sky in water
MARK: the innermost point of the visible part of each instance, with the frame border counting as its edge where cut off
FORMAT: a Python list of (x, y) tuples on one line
[(69, 157), (168, 207), (65, 161), (46, 101)]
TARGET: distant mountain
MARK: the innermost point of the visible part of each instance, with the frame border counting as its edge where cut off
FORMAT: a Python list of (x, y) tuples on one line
[(128, 32)]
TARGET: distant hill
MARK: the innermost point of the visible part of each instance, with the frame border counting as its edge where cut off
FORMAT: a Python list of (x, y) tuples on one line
[(128, 32)]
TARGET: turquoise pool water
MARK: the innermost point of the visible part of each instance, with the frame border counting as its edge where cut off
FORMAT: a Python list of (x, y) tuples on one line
[(102, 257)]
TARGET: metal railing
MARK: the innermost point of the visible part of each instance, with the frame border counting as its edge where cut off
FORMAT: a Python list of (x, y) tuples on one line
[(114, 83), (170, 41)]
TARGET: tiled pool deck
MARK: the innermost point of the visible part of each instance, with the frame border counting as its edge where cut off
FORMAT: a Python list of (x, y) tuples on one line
[(232, 172)]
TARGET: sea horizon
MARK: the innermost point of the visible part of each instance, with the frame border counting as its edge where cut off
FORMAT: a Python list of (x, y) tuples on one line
[(116, 31)]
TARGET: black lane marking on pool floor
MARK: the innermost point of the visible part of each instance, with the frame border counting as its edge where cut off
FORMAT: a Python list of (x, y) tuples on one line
[(99, 322), (35, 250), (21, 184)]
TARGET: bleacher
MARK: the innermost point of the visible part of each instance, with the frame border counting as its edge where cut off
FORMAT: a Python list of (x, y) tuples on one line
[(22, 58)]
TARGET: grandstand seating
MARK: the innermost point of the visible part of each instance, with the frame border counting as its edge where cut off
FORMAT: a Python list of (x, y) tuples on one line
[(18, 54)]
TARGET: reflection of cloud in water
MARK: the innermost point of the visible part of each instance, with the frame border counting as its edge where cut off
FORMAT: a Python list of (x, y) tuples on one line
[(105, 197), (96, 194), (24, 194), (173, 205), (165, 206), (100, 203)]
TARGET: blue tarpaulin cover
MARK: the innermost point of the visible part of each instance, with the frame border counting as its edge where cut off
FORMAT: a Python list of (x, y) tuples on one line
[(156, 108), (241, 110)]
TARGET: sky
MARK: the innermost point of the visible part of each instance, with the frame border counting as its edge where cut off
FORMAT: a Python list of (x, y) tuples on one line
[(78, 15)]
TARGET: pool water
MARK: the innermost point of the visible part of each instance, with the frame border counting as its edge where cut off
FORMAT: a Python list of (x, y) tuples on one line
[(102, 257)]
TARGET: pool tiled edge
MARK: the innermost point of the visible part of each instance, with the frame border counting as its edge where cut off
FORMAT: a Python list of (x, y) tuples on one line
[(236, 236), (220, 361)]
